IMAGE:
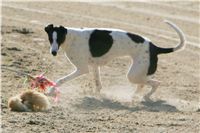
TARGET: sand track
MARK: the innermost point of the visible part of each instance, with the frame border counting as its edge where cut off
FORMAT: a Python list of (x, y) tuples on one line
[(176, 101)]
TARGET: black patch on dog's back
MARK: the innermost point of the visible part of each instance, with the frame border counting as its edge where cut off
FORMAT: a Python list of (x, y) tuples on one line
[(100, 42), (153, 59), (136, 38)]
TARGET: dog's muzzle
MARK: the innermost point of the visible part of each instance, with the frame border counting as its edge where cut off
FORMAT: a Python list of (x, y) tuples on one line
[(54, 48), (54, 53)]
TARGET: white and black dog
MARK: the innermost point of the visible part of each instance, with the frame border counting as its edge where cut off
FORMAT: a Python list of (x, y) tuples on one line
[(94, 47)]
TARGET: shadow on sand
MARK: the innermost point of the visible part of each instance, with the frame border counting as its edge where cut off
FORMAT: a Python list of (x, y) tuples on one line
[(91, 103)]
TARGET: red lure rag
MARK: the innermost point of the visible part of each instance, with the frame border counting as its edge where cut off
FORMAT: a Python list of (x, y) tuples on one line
[(43, 83)]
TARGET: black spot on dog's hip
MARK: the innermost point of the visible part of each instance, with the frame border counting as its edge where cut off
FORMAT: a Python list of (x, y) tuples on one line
[(100, 42)]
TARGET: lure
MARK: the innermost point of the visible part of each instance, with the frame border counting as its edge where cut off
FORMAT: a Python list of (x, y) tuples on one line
[(43, 84), (40, 82)]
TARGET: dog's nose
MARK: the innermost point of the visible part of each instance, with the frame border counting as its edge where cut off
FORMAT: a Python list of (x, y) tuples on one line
[(54, 53)]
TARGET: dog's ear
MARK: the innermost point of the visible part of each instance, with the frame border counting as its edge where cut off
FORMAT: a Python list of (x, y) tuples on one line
[(48, 28), (63, 29)]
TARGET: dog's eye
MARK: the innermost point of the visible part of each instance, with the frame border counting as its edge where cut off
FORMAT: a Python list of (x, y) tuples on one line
[(60, 39)]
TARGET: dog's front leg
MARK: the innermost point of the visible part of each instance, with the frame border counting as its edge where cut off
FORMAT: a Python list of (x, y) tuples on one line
[(96, 72), (71, 76)]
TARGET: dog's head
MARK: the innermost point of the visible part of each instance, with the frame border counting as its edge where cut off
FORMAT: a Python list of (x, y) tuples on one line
[(56, 37)]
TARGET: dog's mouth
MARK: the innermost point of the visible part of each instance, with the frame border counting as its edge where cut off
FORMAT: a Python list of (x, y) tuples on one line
[(54, 53)]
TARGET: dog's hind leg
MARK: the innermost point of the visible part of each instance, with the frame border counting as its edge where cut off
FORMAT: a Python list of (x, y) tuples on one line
[(97, 78), (154, 84), (139, 88), (137, 73)]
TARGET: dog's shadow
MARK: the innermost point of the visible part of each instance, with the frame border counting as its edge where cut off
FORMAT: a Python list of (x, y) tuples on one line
[(92, 103)]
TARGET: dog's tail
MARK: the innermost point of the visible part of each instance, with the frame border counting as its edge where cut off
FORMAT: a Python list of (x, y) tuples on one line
[(181, 44)]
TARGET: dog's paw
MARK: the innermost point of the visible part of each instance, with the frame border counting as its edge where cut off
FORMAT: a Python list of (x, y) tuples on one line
[(147, 99)]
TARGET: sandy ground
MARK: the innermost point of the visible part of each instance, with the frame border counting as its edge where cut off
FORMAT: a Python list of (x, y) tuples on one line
[(25, 48)]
